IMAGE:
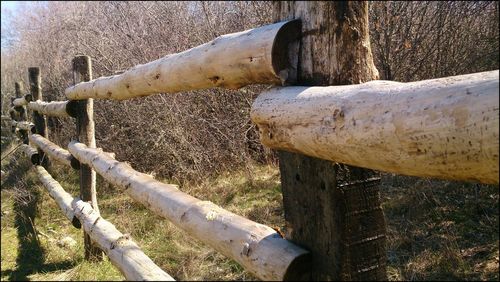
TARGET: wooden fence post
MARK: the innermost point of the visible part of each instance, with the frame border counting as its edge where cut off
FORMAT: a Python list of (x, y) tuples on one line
[(39, 120), (333, 209), (22, 112), (82, 71)]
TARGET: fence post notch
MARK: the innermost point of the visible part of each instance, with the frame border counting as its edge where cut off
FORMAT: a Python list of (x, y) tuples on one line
[(82, 71)]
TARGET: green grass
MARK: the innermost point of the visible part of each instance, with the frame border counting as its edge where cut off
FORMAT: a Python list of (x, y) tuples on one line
[(437, 230)]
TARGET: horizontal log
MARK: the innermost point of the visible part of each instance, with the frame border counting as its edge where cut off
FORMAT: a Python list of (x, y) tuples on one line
[(259, 248), (19, 102), (255, 56), (31, 153), (53, 151), (23, 125), (56, 192), (121, 250), (444, 128), (57, 109)]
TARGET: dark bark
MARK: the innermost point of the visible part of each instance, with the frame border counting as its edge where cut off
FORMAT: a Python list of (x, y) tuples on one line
[(39, 120)]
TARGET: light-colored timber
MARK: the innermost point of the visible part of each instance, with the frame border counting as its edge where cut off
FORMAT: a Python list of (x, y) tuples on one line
[(19, 102), (57, 109), (31, 153), (121, 250), (259, 248), (56, 192), (229, 61), (444, 128), (53, 151)]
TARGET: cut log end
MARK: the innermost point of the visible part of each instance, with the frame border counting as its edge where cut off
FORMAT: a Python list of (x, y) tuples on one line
[(299, 269), (285, 51), (76, 222), (75, 164), (73, 108)]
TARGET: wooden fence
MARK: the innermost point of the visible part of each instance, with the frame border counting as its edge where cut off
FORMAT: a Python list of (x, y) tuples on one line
[(444, 128)]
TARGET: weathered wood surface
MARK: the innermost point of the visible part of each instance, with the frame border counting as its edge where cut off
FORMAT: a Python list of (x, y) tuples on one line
[(35, 81), (57, 109), (56, 192), (444, 128), (53, 151), (259, 248), (231, 61), (31, 153), (342, 228), (18, 102), (121, 250), (85, 129)]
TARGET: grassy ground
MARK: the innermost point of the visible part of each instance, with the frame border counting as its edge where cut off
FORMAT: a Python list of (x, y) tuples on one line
[(437, 230)]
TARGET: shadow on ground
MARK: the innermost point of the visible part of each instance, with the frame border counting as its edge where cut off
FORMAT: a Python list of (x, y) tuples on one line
[(30, 254)]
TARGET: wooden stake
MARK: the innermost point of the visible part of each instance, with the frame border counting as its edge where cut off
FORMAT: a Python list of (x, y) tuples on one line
[(21, 110), (38, 119), (82, 71)]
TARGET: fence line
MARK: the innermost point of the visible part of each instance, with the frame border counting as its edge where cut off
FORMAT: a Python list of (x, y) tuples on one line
[(427, 128)]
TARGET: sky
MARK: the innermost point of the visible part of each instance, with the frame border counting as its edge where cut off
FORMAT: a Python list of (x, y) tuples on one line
[(8, 8)]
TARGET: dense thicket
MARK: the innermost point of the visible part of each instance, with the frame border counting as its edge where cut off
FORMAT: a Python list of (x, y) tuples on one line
[(194, 134)]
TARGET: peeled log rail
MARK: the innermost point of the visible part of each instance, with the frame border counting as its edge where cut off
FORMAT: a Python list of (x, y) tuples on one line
[(56, 192), (444, 128), (122, 251), (259, 248), (57, 109), (18, 102), (31, 153), (53, 151), (234, 60)]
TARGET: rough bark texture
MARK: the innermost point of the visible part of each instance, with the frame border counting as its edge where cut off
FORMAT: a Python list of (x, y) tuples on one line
[(57, 109), (53, 151), (231, 61), (332, 209), (35, 81), (445, 128), (82, 71), (56, 192), (258, 248)]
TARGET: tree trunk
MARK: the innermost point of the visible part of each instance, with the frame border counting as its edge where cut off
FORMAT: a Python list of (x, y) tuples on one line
[(333, 209)]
